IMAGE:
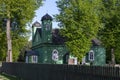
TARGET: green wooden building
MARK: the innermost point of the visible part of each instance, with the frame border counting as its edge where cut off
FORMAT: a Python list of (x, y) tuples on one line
[(48, 46), (47, 42), (97, 54)]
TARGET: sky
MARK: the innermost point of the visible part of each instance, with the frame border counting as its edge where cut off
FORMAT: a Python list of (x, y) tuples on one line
[(50, 7)]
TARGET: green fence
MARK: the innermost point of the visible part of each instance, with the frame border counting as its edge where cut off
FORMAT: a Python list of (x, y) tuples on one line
[(60, 72)]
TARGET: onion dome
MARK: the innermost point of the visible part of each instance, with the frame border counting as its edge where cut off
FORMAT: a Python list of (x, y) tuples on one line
[(36, 24), (46, 17)]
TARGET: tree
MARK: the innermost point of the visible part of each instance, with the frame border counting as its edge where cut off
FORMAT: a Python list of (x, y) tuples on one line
[(19, 39), (79, 22), (109, 35), (2, 45), (22, 55), (12, 9)]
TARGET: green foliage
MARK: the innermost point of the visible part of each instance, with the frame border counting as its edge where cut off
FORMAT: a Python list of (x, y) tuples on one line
[(18, 44), (3, 47), (20, 12), (19, 7), (117, 55), (4, 76), (23, 50), (109, 35), (79, 22)]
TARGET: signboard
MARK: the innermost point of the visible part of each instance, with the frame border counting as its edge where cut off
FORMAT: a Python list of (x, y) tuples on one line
[(91, 55), (55, 55), (72, 61)]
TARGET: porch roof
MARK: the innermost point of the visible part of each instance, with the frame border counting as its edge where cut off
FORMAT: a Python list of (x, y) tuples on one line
[(31, 52)]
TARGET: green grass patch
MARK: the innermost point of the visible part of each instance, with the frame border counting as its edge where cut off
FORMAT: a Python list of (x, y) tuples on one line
[(4, 76)]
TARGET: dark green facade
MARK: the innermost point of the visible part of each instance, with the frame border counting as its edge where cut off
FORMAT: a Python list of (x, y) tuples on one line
[(45, 53), (42, 41), (99, 56)]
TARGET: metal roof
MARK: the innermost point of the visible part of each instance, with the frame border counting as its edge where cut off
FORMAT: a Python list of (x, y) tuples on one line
[(46, 17), (36, 24), (31, 52)]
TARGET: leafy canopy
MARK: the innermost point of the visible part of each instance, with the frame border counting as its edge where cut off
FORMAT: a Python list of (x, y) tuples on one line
[(109, 35), (20, 12), (79, 22)]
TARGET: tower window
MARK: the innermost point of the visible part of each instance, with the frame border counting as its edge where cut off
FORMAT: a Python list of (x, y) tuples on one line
[(47, 27)]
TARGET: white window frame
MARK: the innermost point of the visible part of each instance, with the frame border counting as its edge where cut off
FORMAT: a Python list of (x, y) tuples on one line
[(34, 59), (55, 55), (93, 54), (26, 59)]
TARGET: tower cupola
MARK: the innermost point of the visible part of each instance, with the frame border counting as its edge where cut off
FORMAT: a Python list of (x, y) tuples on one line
[(36, 24), (46, 17)]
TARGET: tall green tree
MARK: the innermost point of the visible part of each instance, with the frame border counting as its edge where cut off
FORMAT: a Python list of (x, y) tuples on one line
[(109, 35), (22, 54), (2, 45), (79, 21), (19, 39), (23, 10)]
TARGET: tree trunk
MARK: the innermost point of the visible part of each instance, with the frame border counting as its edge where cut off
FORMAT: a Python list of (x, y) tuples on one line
[(9, 44), (112, 56)]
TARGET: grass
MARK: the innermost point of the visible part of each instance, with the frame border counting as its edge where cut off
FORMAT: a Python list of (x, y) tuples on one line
[(4, 76), (7, 77)]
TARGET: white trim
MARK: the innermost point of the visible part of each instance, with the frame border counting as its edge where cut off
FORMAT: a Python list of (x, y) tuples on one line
[(91, 55), (26, 59), (55, 55), (34, 59)]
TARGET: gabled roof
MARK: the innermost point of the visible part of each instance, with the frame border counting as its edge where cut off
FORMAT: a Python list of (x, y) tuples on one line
[(31, 52), (39, 30), (96, 42), (57, 38)]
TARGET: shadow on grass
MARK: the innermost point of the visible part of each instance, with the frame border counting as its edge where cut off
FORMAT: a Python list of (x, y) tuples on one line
[(9, 77)]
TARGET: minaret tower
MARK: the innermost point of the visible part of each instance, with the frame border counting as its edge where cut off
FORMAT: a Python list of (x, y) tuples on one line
[(34, 27), (46, 29)]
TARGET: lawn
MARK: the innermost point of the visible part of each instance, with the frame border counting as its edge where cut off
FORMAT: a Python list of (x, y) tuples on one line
[(7, 77)]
